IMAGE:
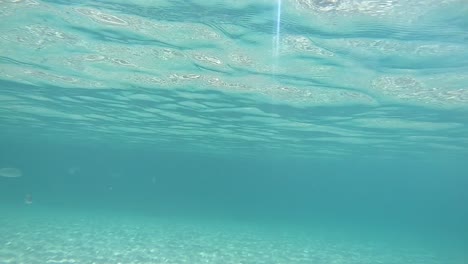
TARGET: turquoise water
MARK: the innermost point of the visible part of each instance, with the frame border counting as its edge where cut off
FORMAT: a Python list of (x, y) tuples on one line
[(305, 131)]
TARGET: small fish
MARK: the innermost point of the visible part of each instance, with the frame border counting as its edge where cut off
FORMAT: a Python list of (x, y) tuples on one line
[(28, 199), (73, 170), (10, 172)]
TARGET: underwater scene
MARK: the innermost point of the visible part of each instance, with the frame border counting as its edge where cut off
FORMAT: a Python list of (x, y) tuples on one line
[(250, 131)]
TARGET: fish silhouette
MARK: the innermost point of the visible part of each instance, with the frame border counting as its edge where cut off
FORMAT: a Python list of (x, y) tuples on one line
[(28, 199)]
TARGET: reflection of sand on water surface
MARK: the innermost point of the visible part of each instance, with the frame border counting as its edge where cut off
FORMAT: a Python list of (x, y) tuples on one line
[(10, 172)]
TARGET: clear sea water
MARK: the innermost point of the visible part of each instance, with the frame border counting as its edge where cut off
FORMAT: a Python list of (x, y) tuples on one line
[(252, 131)]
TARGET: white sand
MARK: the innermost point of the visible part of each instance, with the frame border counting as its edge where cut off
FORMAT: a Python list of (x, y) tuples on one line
[(87, 238)]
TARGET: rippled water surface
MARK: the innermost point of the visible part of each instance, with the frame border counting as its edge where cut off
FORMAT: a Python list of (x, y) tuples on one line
[(341, 76)]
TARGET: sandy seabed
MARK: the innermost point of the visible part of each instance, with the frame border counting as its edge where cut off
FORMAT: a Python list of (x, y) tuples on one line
[(39, 236)]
